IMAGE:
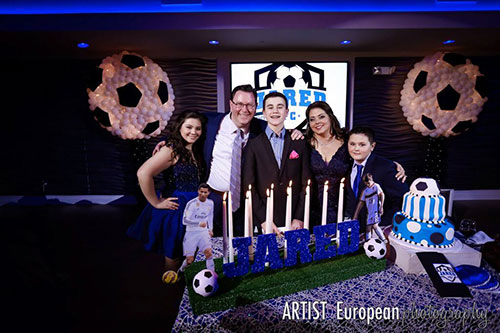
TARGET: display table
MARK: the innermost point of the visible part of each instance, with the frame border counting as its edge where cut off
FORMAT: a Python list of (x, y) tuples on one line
[(417, 303)]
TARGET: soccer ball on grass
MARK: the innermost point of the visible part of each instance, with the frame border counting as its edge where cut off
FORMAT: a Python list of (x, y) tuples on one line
[(375, 248), (205, 283)]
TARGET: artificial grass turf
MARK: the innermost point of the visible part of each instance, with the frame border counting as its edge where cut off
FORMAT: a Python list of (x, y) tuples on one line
[(253, 288)]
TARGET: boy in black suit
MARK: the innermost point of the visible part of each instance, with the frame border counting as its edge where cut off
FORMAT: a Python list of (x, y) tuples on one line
[(274, 158), (360, 143)]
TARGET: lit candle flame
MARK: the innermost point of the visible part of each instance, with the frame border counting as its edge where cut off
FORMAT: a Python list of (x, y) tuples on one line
[(225, 196), (290, 183), (272, 186), (267, 192), (308, 182)]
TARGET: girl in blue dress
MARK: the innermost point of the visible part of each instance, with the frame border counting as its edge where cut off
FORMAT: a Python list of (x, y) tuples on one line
[(160, 226)]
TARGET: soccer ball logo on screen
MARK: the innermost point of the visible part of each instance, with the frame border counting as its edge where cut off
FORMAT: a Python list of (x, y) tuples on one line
[(286, 75), (301, 83)]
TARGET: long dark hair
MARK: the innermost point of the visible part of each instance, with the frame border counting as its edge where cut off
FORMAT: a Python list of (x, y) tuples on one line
[(335, 128), (178, 144)]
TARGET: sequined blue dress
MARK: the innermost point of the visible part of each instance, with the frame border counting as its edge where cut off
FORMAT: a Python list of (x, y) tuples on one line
[(333, 171), (161, 230)]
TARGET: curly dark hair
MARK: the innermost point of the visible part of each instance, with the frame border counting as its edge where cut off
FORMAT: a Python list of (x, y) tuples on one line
[(335, 128), (178, 144)]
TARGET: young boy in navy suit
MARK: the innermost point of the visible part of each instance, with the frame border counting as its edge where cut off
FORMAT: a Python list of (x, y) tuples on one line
[(274, 158), (360, 143)]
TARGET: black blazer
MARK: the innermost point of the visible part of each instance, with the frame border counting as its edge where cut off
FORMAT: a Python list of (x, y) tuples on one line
[(260, 169), (383, 172)]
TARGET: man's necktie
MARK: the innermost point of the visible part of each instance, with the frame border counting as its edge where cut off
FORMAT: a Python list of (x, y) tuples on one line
[(235, 181), (357, 180)]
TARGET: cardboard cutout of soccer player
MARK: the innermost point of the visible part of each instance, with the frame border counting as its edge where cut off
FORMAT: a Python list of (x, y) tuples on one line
[(373, 197)]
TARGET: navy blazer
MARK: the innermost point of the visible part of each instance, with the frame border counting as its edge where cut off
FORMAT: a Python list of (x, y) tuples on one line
[(214, 121), (384, 174), (260, 169)]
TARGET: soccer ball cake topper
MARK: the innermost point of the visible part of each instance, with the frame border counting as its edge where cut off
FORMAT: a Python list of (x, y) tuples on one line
[(425, 186), (442, 95), (132, 96)]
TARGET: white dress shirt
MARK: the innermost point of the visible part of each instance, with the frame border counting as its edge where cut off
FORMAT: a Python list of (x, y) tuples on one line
[(220, 171)]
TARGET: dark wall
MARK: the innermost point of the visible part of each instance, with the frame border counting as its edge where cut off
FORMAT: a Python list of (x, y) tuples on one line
[(50, 142), (467, 161)]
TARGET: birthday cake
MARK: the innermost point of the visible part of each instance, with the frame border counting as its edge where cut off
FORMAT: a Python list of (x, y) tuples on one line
[(422, 226), (422, 220)]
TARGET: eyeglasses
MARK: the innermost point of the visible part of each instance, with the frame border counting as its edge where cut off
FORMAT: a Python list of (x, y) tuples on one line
[(239, 106)]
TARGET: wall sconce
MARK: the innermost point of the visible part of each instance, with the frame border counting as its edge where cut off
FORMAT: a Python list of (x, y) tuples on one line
[(383, 70)]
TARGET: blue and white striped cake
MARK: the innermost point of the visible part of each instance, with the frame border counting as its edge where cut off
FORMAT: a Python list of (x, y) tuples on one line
[(422, 220), (424, 208)]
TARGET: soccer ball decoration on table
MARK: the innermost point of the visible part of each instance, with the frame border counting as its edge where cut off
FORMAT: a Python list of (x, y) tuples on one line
[(443, 94), (205, 282), (375, 248), (131, 96)]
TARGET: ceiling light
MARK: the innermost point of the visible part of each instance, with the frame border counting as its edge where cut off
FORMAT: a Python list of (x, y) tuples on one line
[(213, 42), (82, 45), (449, 41), (345, 42)]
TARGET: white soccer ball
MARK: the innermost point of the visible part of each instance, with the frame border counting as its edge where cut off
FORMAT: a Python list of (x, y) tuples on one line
[(132, 97), (375, 248), (288, 78), (205, 283), (443, 94), (425, 187)]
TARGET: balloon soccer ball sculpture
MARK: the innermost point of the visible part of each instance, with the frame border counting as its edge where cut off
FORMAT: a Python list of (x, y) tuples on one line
[(443, 95), (375, 248), (131, 96), (205, 283)]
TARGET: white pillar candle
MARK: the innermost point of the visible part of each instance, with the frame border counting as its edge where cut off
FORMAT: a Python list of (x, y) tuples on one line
[(246, 220), (325, 203), (224, 229), (340, 211), (269, 228), (288, 214), (307, 205), (271, 195), (230, 225), (250, 219), (250, 211)]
